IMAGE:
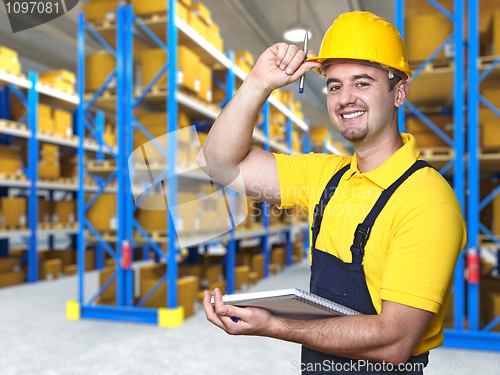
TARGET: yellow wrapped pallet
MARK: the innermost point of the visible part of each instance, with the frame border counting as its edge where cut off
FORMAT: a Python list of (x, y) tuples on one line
[(97, 67), (286, 97), (13, 212), (45, 120), (9, 61), (200, 10), (424, 33)]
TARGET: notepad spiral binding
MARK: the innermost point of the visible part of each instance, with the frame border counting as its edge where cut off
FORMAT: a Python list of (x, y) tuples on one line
[(323, 303)]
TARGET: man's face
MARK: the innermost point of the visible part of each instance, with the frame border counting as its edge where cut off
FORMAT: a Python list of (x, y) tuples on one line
[(360, 104)]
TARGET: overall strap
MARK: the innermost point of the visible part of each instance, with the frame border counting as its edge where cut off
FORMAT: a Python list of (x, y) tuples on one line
[(325, 198), (363, 230)]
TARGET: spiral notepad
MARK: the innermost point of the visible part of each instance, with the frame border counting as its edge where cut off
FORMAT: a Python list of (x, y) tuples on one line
[(290, 303)]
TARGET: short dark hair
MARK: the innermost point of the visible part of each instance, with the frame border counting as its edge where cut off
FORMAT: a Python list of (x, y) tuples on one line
[(393, 82)]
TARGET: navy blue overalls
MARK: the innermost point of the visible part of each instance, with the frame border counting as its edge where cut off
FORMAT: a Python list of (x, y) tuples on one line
[(345, 283)]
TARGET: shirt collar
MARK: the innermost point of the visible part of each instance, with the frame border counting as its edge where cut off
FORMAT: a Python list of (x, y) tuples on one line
[(392, 168)]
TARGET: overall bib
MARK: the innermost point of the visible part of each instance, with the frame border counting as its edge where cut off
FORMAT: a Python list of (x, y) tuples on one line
[(345, 283)]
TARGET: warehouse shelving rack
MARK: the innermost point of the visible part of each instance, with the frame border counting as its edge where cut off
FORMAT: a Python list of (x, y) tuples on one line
[(459, 336), (126, 29), (15, 85)]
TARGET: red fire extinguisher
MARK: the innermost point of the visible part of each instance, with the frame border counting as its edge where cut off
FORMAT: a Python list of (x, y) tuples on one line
[(473, 266), (126, 255)]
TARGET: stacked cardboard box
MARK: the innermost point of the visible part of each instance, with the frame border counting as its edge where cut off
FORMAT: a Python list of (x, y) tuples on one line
[(109, 135), (496, 215), (214, 38), (69, 165), (45, 119), (43, 210), (489, 122), (10, 160), (49, 166), (98, 10), (63, 211), (63, 122), (244, 60), (9, 61), (296, 107), (492, 35), (102, 214), (424, 33), (13, 212), (97, 68), (427, 138), (147, 7), (62, 80), (200, 19), (10, 271), (318, 133)]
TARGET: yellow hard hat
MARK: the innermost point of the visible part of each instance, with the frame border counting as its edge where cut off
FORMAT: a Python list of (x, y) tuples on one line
[(365, 36)]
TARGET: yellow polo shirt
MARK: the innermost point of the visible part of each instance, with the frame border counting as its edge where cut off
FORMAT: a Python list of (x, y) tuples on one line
[(414, 244)]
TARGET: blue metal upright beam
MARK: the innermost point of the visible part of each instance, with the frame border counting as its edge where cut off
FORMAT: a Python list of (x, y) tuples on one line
[(81, 153), (399, 8), (473, 170), (33, 178), (266, 244), (172, 154)]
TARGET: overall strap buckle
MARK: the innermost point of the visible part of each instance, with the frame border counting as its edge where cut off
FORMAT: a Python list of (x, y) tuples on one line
[(317, 217), (361, 236)]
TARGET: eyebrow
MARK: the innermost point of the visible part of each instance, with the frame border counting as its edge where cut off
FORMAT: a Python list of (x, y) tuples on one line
[(355, 77)]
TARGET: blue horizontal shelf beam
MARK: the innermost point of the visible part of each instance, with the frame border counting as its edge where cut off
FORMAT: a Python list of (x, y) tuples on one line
[(473, 340), (119, 313)]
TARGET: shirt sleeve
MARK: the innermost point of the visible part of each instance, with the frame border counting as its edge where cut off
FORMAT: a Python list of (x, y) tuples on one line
[(422, 256), (293, 178)]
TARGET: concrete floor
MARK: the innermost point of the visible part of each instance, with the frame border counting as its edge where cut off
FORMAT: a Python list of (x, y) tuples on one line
[(36, 338)]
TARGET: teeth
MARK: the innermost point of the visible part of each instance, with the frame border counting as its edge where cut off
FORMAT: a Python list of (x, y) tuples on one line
[(352, 115)]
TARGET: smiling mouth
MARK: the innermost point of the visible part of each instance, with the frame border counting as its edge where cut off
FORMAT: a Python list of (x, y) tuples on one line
[(352, 115)]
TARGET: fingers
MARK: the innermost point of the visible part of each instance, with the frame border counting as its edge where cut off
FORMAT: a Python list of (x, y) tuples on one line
[(209, 310), (291, 60)]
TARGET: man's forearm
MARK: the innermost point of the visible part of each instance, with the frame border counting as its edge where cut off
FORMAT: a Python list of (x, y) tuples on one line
[(230, 137), (358, 337)]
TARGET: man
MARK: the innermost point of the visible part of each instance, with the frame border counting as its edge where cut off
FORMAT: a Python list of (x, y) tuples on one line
[(398, 270)]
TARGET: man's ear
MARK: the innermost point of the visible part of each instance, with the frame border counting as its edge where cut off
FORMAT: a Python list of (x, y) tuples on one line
[(401, 90)]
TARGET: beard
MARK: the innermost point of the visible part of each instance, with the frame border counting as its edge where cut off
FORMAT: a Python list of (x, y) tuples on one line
[(355, 135)]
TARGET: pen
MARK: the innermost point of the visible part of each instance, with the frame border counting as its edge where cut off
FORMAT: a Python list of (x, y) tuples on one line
[(234, 319), (302, 79)]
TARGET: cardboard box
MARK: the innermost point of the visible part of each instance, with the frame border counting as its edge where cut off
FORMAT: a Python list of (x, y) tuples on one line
[(150, 217), (63, 122), (492, 35), (427, 138), (318, 133), (50, 269), (59, 75), (496, 216), (109, 293), (213, 36), (102, 214), (43, 210), (198, 25), (200, 10), (257, 265), (10, 160), (7, 53), (10, 65), (204, 83), (69, 166), (424, 33), (187, 62), (97, 67), (101, 10), (11, 278), (146, 7), (45, 120), (9, 264), (241, 276), (64, 211), (287, 98), (13, 212), (490, 135), (67, 257), (49, 170)]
